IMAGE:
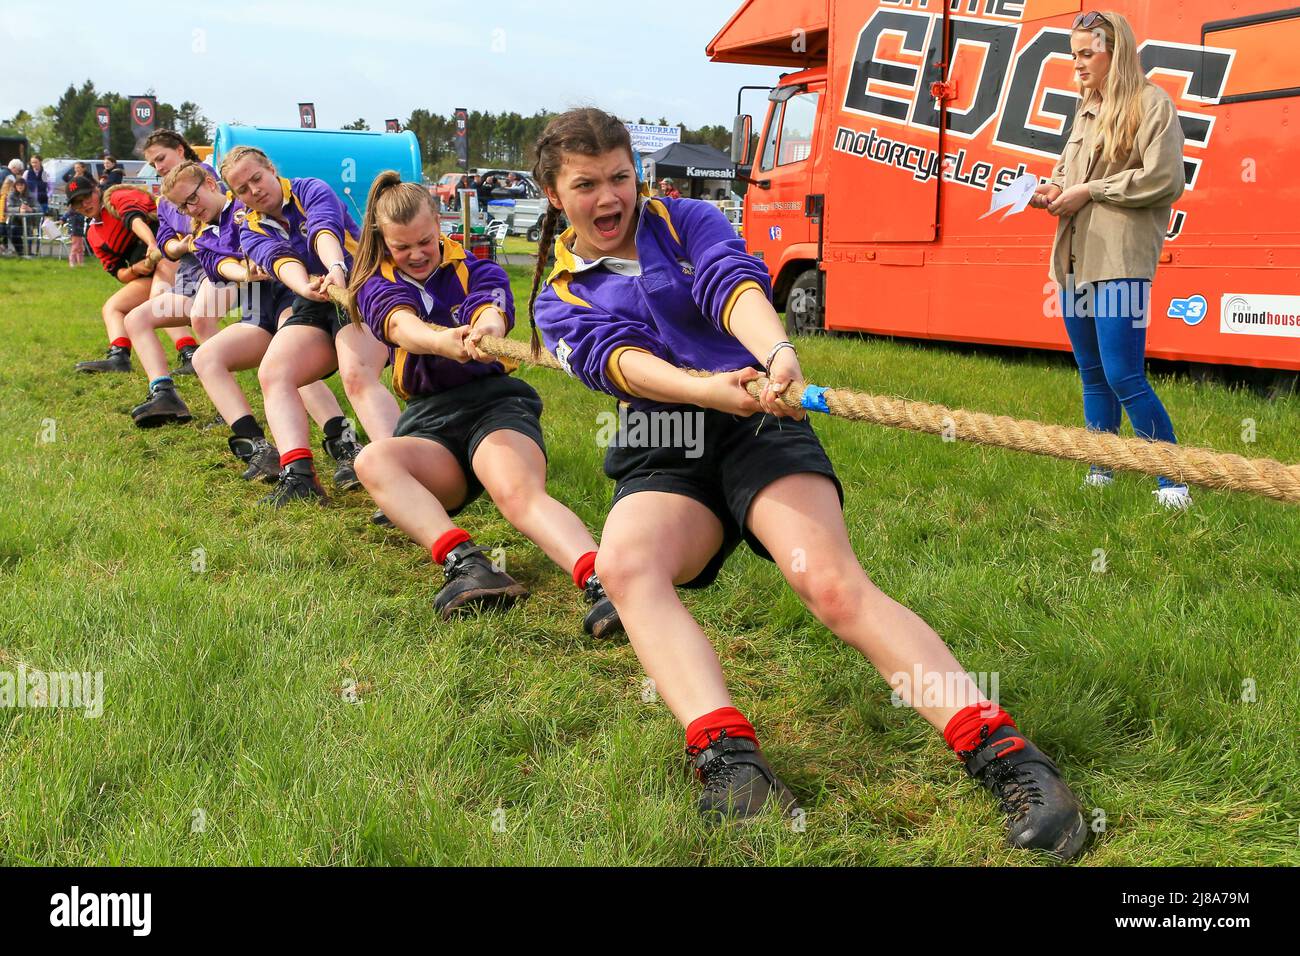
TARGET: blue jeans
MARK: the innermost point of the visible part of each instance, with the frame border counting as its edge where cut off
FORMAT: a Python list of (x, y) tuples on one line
[(1107, 325)]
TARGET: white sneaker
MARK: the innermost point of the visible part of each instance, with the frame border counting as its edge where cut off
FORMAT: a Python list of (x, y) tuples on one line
[(1098, 479), (1175, 498)]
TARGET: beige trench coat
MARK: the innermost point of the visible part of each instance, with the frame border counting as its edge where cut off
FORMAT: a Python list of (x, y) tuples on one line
[(1120, 233)]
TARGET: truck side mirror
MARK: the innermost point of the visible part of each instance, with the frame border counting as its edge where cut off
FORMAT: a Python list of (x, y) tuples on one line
[(742, 128)]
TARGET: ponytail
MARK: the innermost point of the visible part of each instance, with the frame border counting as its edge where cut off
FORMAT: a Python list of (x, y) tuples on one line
[(550, 221), (390, 201)]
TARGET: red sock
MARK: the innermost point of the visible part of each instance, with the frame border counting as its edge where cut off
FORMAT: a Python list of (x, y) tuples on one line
[(443, 546), (185, 343), (702, 730), (964, 730), (294, 454), (122, 342), (583, 568)]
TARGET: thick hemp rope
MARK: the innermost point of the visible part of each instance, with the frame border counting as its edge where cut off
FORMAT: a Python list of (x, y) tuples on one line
[(1181, 463)]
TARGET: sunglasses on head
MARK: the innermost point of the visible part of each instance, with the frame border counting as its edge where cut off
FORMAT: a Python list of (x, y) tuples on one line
[(1085, 21)]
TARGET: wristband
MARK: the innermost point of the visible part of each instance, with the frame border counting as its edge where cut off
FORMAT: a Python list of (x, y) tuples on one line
[(783, 344), (341, 264)]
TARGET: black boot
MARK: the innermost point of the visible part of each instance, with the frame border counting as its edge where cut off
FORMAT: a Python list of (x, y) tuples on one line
[(381, 519), (738, 782), (344, 451), (187, 361), (117, 360), (472, 581), (261, 457), (162, 406), (602, 620), (1042, 812), (298, 482)]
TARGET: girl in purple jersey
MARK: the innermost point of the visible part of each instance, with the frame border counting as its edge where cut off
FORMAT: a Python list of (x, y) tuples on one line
[(643, 288), (231, 279), (469, 425), (172, 306), (298, 231)]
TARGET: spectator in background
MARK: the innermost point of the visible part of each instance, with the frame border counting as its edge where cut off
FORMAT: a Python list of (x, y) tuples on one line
[(515, 186), (77, 169), (17, 202), (667, 188), (12, 170), (38, 184), (113, 173), (76, 236)]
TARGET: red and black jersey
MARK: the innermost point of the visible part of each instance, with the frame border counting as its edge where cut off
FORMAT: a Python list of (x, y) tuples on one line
[(110, 236)]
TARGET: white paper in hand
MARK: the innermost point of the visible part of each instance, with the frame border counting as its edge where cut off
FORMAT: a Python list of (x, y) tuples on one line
[(1015, 197)]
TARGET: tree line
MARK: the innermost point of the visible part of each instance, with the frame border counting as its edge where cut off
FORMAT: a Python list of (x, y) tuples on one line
[(70, 128)]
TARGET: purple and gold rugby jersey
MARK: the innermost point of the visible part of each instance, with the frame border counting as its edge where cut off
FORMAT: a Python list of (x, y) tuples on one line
[(172, 223), (310, 207), (456, 293), (693, 268)]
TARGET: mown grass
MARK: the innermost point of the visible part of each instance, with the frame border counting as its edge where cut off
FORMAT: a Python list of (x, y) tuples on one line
[(511, 738)]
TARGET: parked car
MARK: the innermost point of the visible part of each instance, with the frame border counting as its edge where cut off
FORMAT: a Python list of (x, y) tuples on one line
[(523, 210)]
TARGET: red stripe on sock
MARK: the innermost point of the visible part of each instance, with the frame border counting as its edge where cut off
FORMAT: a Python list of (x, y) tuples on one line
[(583, 568), (964, 730), (709, 727), (121, 342), (443, 546), (186, 342), (294, 454)]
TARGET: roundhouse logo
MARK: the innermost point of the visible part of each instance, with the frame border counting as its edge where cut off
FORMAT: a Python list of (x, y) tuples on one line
[(1246, 314)]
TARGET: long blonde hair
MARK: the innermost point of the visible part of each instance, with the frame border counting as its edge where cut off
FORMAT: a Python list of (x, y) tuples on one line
[(1121, 100), (391, 202)]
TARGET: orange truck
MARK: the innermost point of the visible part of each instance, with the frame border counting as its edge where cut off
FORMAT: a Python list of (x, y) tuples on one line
[(882, 148)]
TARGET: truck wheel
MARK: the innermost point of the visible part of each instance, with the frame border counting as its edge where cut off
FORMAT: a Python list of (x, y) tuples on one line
[(803, 313), (535, 234)]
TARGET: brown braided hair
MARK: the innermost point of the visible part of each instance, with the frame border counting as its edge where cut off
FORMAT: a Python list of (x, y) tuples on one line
[(588, 131), (170, 139)]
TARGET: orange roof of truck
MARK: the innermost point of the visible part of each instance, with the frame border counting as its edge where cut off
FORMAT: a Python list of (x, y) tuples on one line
[(763, 32)]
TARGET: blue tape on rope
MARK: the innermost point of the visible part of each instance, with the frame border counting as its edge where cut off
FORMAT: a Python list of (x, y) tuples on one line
[(814, 399)]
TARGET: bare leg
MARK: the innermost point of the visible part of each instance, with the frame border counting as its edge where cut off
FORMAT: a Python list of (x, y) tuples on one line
[(651, 541), (233, 349), (798, 519), (361, 359), (120, 303), (168, 311), (299, 355), (415, 481), (513, 471)]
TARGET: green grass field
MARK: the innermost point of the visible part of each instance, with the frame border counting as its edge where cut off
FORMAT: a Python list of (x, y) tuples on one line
[(228, 735)]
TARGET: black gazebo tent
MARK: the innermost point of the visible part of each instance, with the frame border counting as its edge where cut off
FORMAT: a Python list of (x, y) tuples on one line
[(692, 161)]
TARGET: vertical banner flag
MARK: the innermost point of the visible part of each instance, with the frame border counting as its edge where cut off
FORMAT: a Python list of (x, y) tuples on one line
[(101, 116), (144, 112), (462, 137), (307, 115), (392, 126)]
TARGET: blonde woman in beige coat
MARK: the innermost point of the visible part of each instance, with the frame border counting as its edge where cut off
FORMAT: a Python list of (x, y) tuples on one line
[(1112, 191)]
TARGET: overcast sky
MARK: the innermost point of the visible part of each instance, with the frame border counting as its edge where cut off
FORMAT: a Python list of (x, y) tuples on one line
[(253, 62)]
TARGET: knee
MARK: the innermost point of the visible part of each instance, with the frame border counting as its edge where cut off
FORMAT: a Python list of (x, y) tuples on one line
[(271, 376), (370, 463), (357, 380), (513, 499), (622, 569), (837, 600), (205, 361)]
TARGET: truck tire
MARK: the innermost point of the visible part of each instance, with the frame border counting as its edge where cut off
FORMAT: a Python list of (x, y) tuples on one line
[(803, 313), (535, 234)]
